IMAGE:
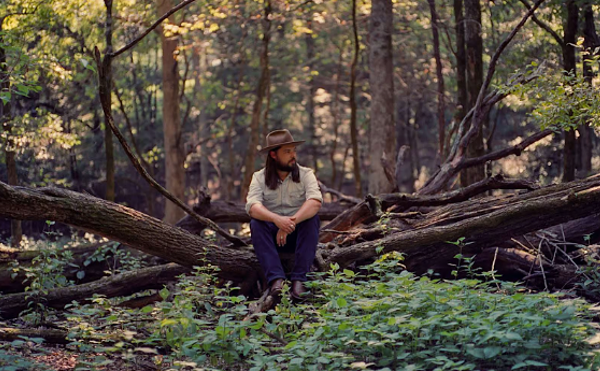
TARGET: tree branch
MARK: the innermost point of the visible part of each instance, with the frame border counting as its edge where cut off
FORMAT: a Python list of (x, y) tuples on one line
[(478, 114), (544, 25), (156, 24), (514, 150)]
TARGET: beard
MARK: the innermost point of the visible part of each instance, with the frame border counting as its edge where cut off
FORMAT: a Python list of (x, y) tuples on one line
[(286, 167)]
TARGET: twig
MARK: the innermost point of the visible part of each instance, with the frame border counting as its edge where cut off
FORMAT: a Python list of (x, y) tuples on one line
[(338, 232), (542, 266), (273, 336), (493, 266)]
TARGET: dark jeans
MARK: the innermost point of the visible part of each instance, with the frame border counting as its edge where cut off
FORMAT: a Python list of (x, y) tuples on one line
[(303, 241)]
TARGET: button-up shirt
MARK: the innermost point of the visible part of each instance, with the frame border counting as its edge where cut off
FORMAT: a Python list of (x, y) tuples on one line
[(289, 196)]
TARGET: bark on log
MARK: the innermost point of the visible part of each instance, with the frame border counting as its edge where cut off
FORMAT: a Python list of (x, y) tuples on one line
[(486, 224), (118, 285), (396, 202), (93, 271), (235, 212), (125, 225), (483, 222), (49, 335)]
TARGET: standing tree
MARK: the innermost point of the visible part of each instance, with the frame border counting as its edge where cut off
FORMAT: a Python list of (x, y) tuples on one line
[(174, 154), (263, 84), (382, 144), (474, 65)]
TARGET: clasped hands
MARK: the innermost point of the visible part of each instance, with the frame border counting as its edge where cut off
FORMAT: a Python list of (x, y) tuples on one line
[(286, 225)]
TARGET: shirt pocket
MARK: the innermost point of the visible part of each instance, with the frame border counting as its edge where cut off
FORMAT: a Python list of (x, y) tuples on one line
[(270, 195)]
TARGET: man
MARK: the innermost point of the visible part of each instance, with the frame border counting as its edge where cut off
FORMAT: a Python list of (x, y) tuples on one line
[(283, 201)]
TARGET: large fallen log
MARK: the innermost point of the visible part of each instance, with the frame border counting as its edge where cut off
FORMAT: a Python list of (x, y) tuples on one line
[(235, 212), (484, 222), (85, 264), (125, 225), (118, 285)]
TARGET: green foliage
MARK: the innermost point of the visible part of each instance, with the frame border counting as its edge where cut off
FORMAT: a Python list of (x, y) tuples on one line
[(382, 319), (117, 260), (560, 100), (45, 273)]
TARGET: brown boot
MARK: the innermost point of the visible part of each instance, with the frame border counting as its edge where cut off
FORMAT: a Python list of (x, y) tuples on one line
[(276, 287), (299, 292)]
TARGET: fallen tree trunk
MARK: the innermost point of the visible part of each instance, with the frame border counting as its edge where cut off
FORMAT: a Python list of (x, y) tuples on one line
[(125, 225), (235, 212), (483, 223), (80, 261), (118, 285), (51, 336)]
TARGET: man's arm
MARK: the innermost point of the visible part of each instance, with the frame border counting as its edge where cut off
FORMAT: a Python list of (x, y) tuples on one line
[(309, 209), (260, 212)]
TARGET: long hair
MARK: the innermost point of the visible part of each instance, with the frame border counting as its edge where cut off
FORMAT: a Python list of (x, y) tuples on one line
[(271, 177)]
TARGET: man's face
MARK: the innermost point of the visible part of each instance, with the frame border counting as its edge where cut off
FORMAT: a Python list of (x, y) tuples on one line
[(285, 157)]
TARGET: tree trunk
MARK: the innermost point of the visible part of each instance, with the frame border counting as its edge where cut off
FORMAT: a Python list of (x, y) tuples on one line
[(125, 225), (381, 80), (230, 212), (422, 236), (198, 67), (231, 130), (310, 107), (257, 107), (119, 285), (569, 65), (353, 129), (108, 139), (474, 53), (461, 64), (174, 153), (441, 109), (405, 178), (586, 133), (16, 231), (93, 269), (483, 223), (336, 119)]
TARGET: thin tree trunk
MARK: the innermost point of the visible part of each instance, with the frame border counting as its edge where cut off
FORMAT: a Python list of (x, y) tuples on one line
[(108, 139), (474, 54), (353, 108), (440, 77), (586, 133), (257, 107), (230, 131), (310, 56), (461, 65), (569, 65), (198, 66), (405, 174), (336, 119), (16, 231), (174, 154), (381, 80)]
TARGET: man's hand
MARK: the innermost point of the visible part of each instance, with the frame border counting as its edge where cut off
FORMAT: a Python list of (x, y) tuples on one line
[(281, 238), (286, 224)]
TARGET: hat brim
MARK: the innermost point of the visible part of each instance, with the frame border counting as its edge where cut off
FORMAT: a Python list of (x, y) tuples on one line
[(267, 149)]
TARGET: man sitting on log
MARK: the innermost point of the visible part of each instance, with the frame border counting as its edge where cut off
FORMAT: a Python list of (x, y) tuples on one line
[(283, 201)]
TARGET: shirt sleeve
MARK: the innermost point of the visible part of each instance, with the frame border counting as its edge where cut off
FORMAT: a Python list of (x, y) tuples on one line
[(255, 193), (313, 191)]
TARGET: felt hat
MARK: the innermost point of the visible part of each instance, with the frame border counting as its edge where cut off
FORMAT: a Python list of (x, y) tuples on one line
[(278, 138)]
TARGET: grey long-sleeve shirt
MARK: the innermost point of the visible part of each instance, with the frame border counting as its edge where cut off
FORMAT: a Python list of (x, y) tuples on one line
[(289, 196)]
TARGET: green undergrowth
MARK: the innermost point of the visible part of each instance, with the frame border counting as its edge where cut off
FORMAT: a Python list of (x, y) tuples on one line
[(383, 318)]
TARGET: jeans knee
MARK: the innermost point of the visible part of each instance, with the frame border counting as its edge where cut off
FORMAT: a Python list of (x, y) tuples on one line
[(256, 224)]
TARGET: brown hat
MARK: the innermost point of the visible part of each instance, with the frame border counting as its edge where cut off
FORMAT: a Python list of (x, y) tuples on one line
[(278, 138)]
